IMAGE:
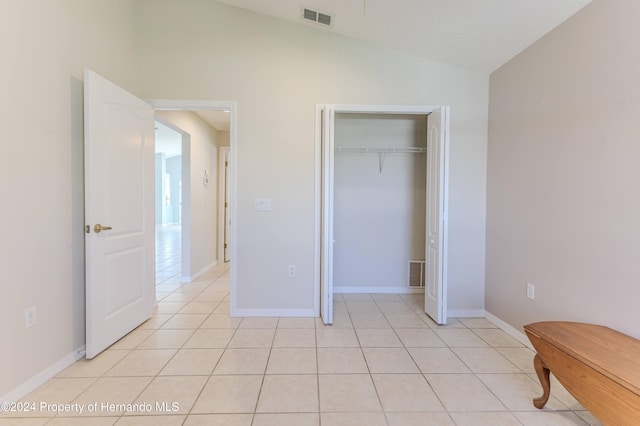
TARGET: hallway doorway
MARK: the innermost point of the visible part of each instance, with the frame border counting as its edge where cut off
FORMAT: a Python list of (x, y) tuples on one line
[(201, 197)]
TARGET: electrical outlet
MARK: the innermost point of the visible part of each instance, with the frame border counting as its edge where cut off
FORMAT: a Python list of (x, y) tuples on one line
[(531, 291), (30, 317), (292, 271)]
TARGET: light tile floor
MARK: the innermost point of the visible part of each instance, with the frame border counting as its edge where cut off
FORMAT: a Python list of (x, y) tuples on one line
[(168, 257), (382, 362)]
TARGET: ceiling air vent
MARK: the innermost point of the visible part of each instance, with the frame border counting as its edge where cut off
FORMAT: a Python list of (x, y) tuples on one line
[(317, 17)]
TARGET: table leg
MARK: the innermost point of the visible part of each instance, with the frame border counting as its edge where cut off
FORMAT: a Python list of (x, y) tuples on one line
[(543, 375)]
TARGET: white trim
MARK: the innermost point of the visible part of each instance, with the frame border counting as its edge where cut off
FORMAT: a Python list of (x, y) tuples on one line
[(232, 107), (386, 109), (317, 215), (186, 105), (275, 313), (327, 161), (465, 313), (511, 331), (446, 110), (195, 276), (43, 376), (378, 290)]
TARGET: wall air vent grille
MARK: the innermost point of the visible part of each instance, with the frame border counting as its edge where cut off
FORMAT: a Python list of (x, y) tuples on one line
[(324, 19), (310, 15), (416, 274), (317, 17)]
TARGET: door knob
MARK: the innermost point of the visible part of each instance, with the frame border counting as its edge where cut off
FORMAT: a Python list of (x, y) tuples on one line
[(98, 228)]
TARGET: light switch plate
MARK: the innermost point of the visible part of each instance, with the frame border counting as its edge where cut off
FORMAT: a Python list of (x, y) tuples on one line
[(262, 204)]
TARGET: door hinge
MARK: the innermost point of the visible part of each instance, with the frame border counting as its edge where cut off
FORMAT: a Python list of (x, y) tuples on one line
[(226, 164), (225, 245), (226, 204)]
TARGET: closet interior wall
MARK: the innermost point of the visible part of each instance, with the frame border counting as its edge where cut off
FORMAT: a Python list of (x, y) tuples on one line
[(379, 200)]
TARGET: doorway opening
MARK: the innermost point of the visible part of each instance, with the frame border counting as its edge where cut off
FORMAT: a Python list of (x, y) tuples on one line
[(120, 198), (203, 185)]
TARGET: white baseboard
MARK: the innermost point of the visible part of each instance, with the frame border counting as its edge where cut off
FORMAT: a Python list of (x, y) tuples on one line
[(465, 313), (42, 377), (195, 276), (379, 290), (273, 313), (511, 331)]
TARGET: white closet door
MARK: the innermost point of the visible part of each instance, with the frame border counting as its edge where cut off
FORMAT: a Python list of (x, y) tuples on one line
[(326, 241), (435, 300)]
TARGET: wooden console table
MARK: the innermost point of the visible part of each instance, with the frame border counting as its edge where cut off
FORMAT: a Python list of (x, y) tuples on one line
[(599, 366)]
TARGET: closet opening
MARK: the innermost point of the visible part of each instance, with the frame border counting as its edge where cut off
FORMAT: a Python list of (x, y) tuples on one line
[(382, 198), (379, 205)]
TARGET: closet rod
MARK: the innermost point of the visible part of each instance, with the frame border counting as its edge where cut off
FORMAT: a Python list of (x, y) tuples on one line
[(404, 150)]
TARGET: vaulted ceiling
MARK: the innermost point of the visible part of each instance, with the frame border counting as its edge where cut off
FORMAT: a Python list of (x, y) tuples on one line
[(477, 34)]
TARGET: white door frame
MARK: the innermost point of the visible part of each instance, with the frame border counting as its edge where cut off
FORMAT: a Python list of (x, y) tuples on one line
[(325, 119), (444, 176), (232, 107)]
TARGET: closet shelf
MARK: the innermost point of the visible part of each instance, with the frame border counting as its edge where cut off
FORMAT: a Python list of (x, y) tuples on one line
[(403, 150), (382, 152)]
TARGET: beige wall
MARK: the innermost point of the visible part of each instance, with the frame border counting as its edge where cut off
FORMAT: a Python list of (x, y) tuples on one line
[(563, 204), (223, 138), (277, 72), (45, 45)]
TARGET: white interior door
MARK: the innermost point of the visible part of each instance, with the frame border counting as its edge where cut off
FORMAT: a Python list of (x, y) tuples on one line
[(326, 240), (435, 291), (119, 197)]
